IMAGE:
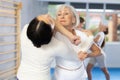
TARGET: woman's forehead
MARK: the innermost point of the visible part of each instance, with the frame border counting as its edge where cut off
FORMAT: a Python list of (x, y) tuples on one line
[(64, 9)]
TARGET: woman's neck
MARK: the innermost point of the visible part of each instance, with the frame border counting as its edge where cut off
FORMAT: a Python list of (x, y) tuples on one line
[(71, 30)]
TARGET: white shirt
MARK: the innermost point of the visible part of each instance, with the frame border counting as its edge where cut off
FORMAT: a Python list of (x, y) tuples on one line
[(35, 62), (73, 64), (101, 38), (86, 41)]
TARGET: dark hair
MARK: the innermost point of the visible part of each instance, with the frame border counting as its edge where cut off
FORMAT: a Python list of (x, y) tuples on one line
[(39, 32), (81, 19), (103, 43), (106, 31)]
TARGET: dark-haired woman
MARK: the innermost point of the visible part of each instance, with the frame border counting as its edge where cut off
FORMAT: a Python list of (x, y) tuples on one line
[(39, 48), (100, 41)]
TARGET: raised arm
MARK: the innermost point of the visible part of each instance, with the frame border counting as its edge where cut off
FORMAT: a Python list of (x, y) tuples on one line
[(96, 39), (73, 38)]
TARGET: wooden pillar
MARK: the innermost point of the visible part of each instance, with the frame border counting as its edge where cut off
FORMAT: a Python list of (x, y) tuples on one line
[(18, 21), (113, 28)]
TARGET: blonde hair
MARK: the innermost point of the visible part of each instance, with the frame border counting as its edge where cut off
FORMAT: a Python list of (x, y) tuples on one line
[(72, 9)]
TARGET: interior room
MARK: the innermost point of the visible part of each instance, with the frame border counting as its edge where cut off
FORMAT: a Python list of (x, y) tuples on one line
[(15, 14)]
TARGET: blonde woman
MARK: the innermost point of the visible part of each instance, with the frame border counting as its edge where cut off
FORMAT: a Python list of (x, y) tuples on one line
[(68, 69)]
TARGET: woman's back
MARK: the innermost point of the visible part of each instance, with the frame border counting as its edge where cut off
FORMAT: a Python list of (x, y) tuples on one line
[(35, 62)]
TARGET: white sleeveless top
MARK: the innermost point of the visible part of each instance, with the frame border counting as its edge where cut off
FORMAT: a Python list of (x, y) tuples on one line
[(100, 41), (35, 62), (101, 38)]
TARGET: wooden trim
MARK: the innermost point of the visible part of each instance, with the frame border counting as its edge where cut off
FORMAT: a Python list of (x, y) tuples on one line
[(6, 11), (18, 36), (10, 51), (8, 60), (11, 2), (8, 74), (8, 25), (6, 15), (8, 7), (12, 11), (8, 70), (7, 43), (8, 34)]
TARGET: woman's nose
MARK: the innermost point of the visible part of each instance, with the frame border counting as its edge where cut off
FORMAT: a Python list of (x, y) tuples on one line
[(62, 16)]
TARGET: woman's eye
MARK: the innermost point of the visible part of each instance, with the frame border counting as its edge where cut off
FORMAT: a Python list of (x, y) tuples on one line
[(66, 13), (59, 14)]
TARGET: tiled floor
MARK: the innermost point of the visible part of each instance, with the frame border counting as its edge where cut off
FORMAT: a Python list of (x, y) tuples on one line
[(98, 74)]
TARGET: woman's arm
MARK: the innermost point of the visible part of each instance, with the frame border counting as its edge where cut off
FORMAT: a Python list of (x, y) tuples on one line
[(73, 38), (96, 39), (96, 51)]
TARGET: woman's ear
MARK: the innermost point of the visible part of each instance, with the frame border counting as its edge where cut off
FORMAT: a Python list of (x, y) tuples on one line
[(73, 20)]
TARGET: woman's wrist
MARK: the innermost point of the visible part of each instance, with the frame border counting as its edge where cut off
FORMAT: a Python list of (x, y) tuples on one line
[(74, 39)]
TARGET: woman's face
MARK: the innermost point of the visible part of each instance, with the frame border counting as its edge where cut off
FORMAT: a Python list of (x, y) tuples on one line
[(65, 17)]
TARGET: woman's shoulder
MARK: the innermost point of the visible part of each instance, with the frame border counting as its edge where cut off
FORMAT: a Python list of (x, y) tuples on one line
[(84, 32), (101, 34)]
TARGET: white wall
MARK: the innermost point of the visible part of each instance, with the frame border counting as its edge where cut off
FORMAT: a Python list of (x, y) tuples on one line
[(31, 9), (112, 50)]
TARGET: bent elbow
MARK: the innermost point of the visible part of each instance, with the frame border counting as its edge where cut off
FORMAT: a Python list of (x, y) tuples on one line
[(98, 53)]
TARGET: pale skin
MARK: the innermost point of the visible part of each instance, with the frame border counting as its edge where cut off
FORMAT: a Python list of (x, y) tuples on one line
[(67, 19)]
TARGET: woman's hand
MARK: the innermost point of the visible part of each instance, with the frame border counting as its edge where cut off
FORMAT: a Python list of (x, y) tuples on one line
[(47, 19), (82, 55), (75, 39)]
